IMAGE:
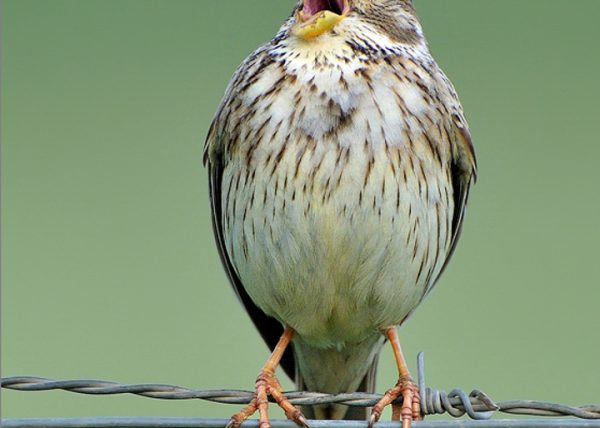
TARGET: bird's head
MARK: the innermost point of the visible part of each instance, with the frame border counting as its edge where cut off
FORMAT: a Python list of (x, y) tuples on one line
[(394, 19)]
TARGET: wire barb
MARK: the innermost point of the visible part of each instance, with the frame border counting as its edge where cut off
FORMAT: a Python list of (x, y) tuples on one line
[(477, 405)]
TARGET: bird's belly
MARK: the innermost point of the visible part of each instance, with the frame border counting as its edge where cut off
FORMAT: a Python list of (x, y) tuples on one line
[(336, 249)]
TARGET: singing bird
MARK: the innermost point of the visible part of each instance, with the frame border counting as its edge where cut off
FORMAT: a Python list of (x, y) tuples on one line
[(340, 163)]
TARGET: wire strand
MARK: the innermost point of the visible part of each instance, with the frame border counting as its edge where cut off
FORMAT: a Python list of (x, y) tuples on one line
[(477, 404)]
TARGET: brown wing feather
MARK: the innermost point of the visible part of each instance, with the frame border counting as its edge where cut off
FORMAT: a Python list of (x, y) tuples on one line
[(463, 174)]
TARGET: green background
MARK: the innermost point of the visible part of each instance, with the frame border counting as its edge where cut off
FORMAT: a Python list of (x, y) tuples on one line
[(109, 266)]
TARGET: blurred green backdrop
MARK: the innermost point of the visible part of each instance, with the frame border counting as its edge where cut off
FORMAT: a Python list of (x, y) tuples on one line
[(109, 266)]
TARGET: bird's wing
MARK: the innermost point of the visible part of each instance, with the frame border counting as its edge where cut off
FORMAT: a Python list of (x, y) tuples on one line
[(216, 141), (463, 170)]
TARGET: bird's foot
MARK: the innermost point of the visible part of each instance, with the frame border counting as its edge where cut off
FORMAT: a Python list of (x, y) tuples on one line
[(411, 403), (267, 384)]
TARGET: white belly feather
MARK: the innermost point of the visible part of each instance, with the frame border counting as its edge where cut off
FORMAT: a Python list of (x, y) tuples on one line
[(327, 224)]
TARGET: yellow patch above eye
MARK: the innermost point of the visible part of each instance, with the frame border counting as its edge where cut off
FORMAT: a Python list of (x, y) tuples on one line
[(319, 24)]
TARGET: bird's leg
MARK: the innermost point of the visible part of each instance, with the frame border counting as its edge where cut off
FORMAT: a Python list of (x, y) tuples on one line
[(405, 388), (267, 384)]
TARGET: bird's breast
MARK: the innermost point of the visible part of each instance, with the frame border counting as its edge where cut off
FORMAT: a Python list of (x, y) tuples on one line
[(336, 199)]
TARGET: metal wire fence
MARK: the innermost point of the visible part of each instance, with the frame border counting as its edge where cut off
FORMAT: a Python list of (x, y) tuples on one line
[(477, 405), (157, 422)]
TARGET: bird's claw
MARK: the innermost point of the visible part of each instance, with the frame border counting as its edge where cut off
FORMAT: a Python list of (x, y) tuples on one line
[(237, 419), (302, 421), (267, 384), (411, 403)]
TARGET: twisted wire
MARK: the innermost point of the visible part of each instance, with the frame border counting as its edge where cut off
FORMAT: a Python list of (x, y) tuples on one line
[(174, 422), (477, 405)]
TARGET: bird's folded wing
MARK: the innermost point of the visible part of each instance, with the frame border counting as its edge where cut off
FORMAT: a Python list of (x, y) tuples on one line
[(463, 173)]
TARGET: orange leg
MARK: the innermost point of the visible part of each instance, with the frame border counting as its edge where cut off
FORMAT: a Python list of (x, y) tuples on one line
[(405, 388), (267, 384)]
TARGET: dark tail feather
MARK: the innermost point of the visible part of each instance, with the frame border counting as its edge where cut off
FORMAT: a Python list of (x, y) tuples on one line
[(367, 385), (353, 413)]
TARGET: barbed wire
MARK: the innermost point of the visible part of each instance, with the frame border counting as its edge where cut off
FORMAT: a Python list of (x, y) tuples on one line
[(174, 422), (477, 405)]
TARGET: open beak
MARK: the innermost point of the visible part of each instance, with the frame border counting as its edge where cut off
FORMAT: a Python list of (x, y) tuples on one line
[(319, 16)]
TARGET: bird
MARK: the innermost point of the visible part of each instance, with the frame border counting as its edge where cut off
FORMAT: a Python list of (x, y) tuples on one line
[(339, 164)]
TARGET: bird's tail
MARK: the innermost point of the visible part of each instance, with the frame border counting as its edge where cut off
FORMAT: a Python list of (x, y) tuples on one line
[(332, 411)]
